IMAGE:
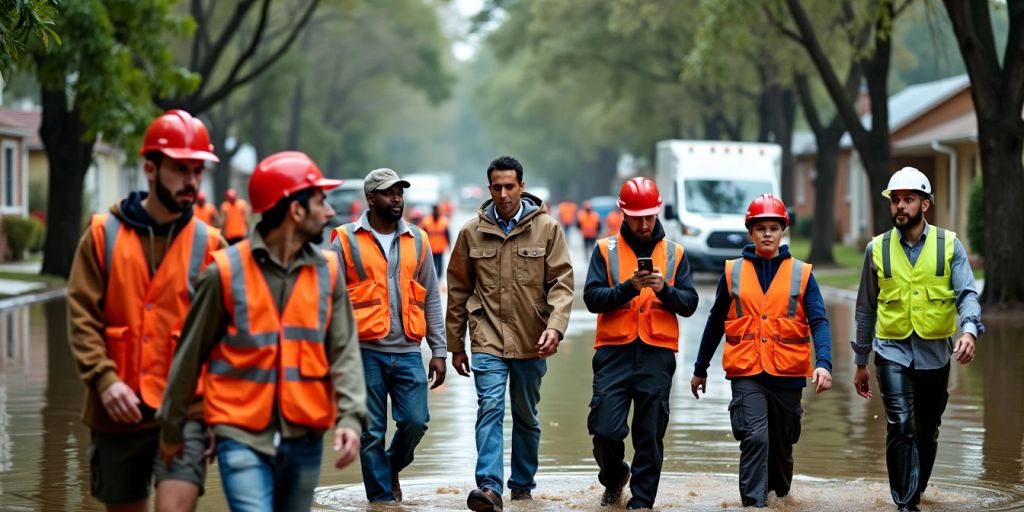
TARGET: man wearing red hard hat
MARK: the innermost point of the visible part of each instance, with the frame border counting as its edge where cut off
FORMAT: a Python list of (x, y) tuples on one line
[(769, 309), (638, 283), (273, 323), (131, 285)]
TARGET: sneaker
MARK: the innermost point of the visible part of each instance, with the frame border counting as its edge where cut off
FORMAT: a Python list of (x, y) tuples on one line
[(484, 500), (613, 495), (396, 488), (521, 495)]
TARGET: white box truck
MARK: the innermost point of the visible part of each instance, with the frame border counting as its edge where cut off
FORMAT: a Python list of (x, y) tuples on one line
[(706, 186)]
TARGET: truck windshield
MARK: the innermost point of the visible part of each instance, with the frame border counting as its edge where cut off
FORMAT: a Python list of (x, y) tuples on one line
[(720, 196)]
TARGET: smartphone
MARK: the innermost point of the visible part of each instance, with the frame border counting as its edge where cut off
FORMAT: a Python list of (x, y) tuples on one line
[(645, 264)]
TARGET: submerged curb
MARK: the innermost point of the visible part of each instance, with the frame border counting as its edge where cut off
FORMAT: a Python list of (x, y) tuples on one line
[(32, 298)]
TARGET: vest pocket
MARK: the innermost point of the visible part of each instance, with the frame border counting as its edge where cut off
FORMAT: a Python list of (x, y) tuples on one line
[(791, 352), (415, 319), (369, 305), (663, 324), (118, 348), (940, 312), (741, 346)]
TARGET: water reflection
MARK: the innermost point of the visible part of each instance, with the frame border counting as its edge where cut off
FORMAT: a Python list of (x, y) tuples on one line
[(840, 459)]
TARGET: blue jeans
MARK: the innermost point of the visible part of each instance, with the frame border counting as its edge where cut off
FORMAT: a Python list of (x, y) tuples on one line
[(256, 482), (523, 376), (402, 377)]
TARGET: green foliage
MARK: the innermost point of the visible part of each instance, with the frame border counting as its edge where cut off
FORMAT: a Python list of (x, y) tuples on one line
[(22, 22), (976, 217), (803, 227), (22, 233)]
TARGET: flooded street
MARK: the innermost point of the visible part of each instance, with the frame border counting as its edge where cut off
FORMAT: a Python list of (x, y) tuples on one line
[(840, 458)]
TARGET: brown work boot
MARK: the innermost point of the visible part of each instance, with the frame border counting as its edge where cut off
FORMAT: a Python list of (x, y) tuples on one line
[(484, 500), (396, 488), (521, 495)]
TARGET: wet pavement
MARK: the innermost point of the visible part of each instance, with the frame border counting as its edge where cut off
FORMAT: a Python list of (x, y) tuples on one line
[(840, 458)]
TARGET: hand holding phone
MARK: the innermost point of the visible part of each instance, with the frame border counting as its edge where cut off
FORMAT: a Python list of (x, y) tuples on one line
[(645, 264)]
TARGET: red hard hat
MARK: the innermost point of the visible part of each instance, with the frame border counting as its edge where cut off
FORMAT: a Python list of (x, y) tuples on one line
[(639, 197), (282, 174), (230, 194), (179, 136), (200, 197), (767, 206)]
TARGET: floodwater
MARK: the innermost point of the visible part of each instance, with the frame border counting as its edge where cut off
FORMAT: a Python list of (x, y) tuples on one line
[(840, 459)]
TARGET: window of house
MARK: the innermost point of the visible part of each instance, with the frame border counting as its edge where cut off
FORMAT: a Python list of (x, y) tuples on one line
[(8, 172)]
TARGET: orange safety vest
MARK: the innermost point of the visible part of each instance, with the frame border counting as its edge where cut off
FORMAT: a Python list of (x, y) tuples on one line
[(589, 223), (269, 357), (613, 222), (566, 212), (767, 332), (644, 316), (204, 213), (236, 218), (143, 313), (366, 275), (437, 233)]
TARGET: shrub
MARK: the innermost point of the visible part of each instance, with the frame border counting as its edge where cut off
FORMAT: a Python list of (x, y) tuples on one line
[(976, 217), (803, 227), (22, 233)]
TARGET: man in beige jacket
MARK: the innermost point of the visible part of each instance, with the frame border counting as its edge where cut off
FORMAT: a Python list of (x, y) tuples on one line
[(510, 279)]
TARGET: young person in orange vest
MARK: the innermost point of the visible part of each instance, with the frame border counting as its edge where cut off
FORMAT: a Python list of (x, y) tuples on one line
[(235, 214), (436, 226), (272, 337), (769, 308), (131, 284), (398, 306), (206, 212), (636, 343), (510, 281), (589, 223), (917, 279)]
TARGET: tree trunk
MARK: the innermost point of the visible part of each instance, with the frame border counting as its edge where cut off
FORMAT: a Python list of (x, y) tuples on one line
[(70, 155), (823, 231), (1004, 187), (295, 124), (781, 108)]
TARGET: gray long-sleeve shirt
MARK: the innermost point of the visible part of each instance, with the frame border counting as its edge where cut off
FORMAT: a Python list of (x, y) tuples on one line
[(921, 353), (396, 342)]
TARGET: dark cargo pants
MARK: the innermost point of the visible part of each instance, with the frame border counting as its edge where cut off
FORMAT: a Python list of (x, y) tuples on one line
[(766, 422), (641, 375)]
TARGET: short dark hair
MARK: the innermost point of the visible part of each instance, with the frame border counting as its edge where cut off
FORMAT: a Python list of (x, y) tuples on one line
[(274, 217), (155, 156), (505, 163)]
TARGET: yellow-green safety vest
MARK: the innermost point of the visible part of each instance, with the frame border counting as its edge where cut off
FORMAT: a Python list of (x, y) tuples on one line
[(915, 298)]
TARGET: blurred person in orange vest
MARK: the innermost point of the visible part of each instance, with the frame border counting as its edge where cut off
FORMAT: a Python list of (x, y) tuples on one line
[(769, 308), (446, 207), (272, 324), (235, 214), (589, 223), (613, 222), (355, 211), (204, 211), (131, 284), (436, 226), (567, 214), (398, 307), (636, 343)]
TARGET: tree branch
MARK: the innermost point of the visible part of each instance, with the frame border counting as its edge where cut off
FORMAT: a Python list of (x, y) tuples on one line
[(217, 50)]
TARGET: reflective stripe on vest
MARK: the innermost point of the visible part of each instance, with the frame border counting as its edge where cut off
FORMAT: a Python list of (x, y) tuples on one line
[(767, 331), (915, 298), (143, 313), (644, 317), (366, 272), (268, 356)]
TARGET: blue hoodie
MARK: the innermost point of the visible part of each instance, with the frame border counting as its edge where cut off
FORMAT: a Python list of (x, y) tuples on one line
[(814, 306)]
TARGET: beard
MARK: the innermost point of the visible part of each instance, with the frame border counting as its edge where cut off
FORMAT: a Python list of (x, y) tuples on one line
[(388, 214), (912, 220), (167, 199)]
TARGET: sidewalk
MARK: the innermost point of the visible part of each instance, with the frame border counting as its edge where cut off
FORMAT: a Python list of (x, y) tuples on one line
[(16, 292)]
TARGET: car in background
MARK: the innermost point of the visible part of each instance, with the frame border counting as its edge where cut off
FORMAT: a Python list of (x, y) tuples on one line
[(348, 202), (603, 205)]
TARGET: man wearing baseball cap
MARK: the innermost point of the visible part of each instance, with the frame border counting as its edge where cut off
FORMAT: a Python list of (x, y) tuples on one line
[(391, 279)]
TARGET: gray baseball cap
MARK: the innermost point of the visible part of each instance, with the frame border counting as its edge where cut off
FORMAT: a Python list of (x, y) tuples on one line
[(382, 179)]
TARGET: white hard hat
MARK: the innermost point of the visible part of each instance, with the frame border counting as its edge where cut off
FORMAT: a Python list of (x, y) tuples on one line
[(909, 178)]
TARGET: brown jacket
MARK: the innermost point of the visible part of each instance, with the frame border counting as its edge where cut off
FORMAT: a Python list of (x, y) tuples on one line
[(508, 288), (86, 291)]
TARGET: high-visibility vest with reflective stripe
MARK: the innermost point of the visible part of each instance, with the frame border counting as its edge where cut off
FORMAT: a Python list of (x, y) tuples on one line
[(644, 317), (918, 298), (767, 332), (589, 223), (204, 213), (366, 275), (269, 357), (236, 220), (437, 233), (143, 313)]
